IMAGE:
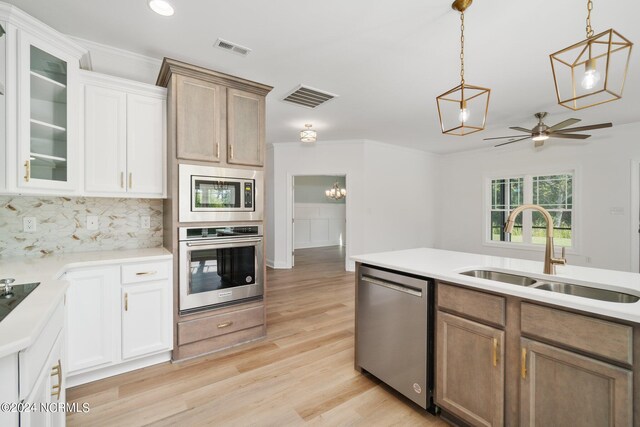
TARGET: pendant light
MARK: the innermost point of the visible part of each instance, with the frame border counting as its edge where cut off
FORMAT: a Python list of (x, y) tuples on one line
[(463, 109), (308, 134), (592, 71)]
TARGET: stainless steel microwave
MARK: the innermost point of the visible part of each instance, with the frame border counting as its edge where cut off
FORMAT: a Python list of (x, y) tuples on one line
[(219, 194)]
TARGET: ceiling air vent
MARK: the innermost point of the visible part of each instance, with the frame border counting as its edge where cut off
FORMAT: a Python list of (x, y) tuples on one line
[(232, 47), (309, 97)]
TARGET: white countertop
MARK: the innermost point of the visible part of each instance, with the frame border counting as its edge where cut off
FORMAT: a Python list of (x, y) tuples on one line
[(23, 325), (446, 265)]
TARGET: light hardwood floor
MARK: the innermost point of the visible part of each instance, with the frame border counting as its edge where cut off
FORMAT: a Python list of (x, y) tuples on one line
[(301, 374)]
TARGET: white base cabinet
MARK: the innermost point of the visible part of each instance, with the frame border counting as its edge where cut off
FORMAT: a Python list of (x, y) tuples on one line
[(120, 318), (35, 378)]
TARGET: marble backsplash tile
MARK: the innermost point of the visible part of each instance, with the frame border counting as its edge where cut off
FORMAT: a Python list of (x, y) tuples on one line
[(62, 224)]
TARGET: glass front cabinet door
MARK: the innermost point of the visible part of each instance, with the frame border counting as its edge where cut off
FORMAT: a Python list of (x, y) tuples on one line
[(47, 120)]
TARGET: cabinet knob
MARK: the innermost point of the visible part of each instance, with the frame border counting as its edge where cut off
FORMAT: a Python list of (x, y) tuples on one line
[(523, 364), (126, 302), (495, 352), (130, 180), (224, 325), (231, 151)]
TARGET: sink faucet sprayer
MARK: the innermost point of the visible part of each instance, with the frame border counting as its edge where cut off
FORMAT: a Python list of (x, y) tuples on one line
[(549, 260)]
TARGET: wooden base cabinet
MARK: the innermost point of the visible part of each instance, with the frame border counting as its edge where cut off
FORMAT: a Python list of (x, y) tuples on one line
[(561, 388), (470, 375)]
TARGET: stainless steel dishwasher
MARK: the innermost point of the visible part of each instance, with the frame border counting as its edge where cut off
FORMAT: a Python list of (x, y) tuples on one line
[(394, 332)]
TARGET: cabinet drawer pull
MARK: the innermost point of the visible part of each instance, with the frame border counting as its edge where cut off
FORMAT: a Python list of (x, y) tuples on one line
[(57, 371), (130, 180), (523, 364), (495, 352), (224, 325), (121, 179), (27, 170), (126, 302), (146, 273), (218, 150), (231, 151)]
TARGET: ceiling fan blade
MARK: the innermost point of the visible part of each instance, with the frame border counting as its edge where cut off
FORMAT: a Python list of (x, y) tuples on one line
[(521, 129), (563, 124), (511, 142), (503, 137), (589, 127), (568, 136)]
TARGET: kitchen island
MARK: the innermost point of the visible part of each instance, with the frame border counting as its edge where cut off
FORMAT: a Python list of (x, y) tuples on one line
[(514, 354)]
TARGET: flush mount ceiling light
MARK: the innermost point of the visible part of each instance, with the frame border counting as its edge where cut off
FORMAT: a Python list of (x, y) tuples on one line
[(592, 71), (335, 192), (308, 134), (161, 7), (463, 109)]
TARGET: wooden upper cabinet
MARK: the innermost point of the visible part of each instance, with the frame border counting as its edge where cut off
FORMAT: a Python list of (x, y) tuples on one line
[(561, 388), (245, 127), (470, 370), (201, 119), (218, 118)]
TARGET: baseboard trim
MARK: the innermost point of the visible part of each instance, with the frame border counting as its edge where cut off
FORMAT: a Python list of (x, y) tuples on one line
[(277, 265), (120, 368)]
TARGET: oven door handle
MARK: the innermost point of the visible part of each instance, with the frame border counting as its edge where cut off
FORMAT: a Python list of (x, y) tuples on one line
[(223, 242)]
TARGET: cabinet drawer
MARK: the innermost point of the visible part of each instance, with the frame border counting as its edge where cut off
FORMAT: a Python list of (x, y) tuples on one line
[(31, 360), (599, 337), (474, 304), (208, 327), (144, 272)]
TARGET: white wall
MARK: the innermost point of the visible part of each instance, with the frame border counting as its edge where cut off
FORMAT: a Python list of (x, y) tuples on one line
[(319, 224), (389, 194), (603, 178)]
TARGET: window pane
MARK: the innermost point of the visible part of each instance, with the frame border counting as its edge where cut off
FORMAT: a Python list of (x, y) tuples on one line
[(498, 194), (553, 191), (516, 189), (498, 218), (562, 228)]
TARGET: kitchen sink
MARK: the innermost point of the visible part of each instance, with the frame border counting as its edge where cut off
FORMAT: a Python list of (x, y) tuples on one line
[(512, 279), (586, 292), (558, 287)]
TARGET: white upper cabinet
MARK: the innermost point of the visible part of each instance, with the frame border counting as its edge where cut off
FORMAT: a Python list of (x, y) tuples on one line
[(39, 86), (124, 137)]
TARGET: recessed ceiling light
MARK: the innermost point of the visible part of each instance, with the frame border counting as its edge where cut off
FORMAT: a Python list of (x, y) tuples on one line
[(161, 7)]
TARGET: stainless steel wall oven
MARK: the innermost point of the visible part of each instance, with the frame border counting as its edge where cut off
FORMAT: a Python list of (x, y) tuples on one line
[(219, 265)]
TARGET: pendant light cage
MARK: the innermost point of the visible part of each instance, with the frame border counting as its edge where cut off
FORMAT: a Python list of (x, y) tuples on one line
[(593, 71), (463, 109)]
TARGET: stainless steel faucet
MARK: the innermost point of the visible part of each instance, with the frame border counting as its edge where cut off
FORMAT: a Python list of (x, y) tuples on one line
[(550, 261)]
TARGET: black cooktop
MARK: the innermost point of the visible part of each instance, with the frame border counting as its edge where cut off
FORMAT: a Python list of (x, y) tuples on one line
[(10, 300)]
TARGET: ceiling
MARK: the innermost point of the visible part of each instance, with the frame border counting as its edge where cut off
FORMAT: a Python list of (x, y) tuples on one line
[(387, 60)]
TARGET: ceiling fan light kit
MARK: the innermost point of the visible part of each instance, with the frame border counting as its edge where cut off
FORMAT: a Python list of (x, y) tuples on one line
[(463, 109), (592, 71)]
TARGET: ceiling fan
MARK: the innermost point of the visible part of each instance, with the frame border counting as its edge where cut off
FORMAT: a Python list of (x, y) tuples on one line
[(541, 132)]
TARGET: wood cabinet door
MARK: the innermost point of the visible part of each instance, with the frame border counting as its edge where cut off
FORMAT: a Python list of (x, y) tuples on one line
[(146, 318), (561, 388), (201, 119), (146, 145), (470, 370), (245, 127), (92, 321), (105, 139)]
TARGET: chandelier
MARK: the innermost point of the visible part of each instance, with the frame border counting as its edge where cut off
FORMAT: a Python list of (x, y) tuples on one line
[(335, 192), (592, 71), (463, 109)]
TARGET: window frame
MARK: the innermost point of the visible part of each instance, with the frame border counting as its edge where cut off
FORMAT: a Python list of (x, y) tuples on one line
[(528, 175)]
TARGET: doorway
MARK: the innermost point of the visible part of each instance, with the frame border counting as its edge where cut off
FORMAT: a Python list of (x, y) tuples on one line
[(319, 215)]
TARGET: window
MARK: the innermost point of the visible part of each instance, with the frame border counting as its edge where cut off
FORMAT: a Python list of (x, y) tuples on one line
[(552, 192)]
